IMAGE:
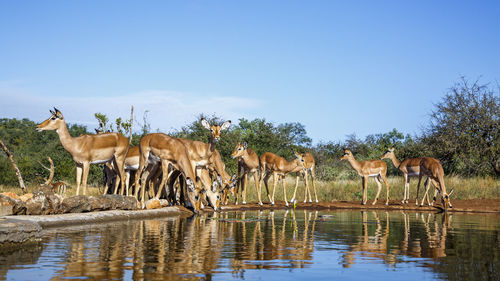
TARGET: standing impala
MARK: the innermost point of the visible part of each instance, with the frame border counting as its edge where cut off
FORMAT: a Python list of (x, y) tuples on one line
[(309, 165), (88, 149), (248, 163), (431, 167), (410, 167), (370, 168), (278, 166)]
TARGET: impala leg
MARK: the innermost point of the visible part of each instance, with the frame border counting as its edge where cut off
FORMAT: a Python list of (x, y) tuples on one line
[(118, 162), (257, 187), (79, 170), (275, 180), (313, 179), (143, 186), (406, 182), (308, 189), (143, 156), (418, 188), (266, 179), (427, 186), (86, 168), (137, 186), (244, 193), (165, 175), (379, 184), (363, 201), (436, 185), (296, 185), (407, 190), (127, 181), (238, 184), (283, 179), (387, 189)]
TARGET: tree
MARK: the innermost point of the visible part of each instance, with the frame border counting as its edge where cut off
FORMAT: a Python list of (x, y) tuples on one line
[(464, 129)]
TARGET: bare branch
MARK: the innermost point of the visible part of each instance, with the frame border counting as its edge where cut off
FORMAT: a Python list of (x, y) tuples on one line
[(18, 173), (51, 169)]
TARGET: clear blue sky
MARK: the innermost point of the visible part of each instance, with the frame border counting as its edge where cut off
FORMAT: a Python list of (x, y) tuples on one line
[(338, 67)]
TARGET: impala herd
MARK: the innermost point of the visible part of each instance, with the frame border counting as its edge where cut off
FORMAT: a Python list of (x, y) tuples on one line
[(192, 172)]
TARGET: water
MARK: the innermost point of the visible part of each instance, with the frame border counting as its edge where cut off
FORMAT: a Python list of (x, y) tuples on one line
[(280, 245)]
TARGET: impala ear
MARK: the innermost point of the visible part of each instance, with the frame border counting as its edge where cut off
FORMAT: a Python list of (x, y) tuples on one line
[(58, 113), (205, 123), (214, 186), (245, 145), (295, 153), (225, 125)]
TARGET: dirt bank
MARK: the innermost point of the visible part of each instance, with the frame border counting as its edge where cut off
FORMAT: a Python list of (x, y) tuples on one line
[(22, 229), (472, 206)]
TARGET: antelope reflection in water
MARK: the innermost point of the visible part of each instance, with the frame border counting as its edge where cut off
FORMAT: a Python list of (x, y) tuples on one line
[(376, 246), (226, 242), (165, 249), (272, 239)]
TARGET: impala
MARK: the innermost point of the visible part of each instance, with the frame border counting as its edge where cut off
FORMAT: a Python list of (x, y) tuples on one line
[(248, 163), (432, 168), (410, 167), (159, 147), (370, 168), (88, 149), (278, 166), (309, 165)]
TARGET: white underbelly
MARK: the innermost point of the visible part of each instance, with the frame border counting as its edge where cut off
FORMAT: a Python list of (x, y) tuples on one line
[(201, 163), (374, 175), (153, 159), (413, 174), (132, 167), (101, 161)]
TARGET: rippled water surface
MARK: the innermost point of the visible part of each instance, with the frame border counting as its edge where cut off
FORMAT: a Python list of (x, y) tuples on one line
[(280, 245)]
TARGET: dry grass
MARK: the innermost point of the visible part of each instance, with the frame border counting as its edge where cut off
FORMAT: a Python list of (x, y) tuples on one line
[(351, 190), (346, 190)]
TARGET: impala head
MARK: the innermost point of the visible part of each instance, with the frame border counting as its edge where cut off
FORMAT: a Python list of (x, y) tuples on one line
[(213, 196), (215, 129), (54, 122), (445, 198), (193, 195), (231, 185), (388, 154), (347, 155), (239, 149), (300, 157)]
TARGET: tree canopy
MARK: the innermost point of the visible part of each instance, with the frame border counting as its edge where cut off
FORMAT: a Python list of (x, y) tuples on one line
[(463, 133)]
